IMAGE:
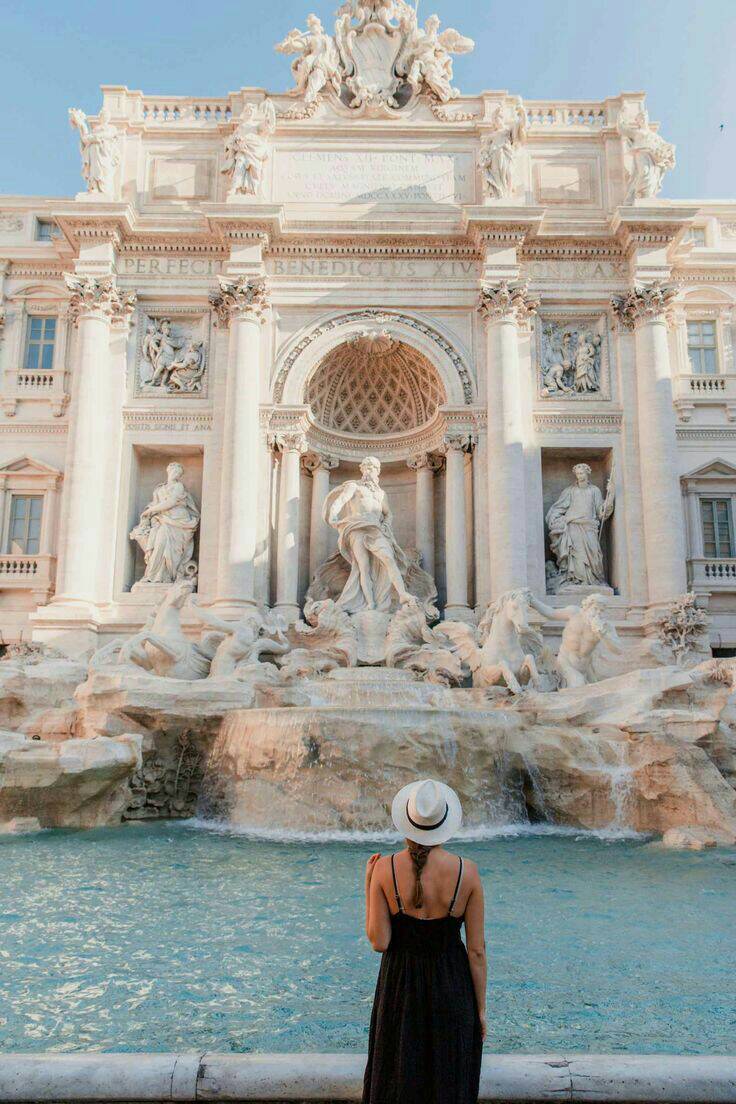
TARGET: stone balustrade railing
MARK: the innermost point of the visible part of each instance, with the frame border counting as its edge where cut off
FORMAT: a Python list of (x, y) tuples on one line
[(547, 114), (708, 574), (184, 109), (27, 572)]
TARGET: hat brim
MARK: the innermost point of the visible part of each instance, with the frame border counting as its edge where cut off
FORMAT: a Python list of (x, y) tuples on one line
[(435, 836)]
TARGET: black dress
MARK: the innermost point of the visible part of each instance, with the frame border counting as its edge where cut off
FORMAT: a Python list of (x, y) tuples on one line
[(425, 1041)]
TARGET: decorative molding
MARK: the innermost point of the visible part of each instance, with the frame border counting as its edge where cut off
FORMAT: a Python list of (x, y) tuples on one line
[(10, 224), (644, 303), (98, 295), (379, 315), (576, 421), (420, 248), (35, 429), (176, 421), (706, 433)]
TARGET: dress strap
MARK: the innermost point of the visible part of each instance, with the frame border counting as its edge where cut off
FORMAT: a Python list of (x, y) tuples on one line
[(457, 889), (399, 904)]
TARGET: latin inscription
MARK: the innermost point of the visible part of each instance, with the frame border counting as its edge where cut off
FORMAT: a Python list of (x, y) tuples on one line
[(372, 269), (373, 176), (168, 266)]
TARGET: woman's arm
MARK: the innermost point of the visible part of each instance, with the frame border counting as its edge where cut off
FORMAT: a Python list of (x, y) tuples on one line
[(475, 937), (377, 916)]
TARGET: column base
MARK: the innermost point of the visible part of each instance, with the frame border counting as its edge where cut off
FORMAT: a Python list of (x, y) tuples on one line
[(459, 613)]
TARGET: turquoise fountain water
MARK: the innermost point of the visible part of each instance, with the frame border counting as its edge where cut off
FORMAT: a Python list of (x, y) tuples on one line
[(172, 936)]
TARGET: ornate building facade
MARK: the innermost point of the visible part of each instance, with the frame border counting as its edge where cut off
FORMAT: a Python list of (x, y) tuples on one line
[(254, 293)]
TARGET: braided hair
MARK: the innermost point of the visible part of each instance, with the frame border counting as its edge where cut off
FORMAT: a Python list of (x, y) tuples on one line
[(418, 854)]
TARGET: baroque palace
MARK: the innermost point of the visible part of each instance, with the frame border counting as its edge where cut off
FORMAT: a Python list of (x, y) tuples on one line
[(253, 294)]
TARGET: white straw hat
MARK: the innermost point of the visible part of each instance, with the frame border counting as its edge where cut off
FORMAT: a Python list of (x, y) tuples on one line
[(427, 812)]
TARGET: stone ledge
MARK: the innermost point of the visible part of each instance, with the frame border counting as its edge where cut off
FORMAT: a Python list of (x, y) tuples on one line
[(633, 1078)]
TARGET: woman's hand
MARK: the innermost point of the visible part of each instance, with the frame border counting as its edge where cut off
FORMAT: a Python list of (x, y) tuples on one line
[(370, 866)]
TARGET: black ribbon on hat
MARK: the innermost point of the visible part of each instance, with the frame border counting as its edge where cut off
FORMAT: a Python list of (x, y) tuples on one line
[(426, 827)]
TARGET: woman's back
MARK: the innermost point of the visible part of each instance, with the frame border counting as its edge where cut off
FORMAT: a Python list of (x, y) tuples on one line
[(442, 878)]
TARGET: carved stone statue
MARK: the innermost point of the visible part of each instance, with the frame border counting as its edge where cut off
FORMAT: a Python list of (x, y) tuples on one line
[(360, 512), (247, 149), (651, 156), (324, 640), (243, 642), (586, 626), (426, 59), (99, 149), (683, 629), (504, 647), (161, 647), (166, 531), (172, 361), (574, 523), (499, 149), (411, 645), (318, 64)]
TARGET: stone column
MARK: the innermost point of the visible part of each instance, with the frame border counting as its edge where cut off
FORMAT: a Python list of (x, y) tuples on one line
[(456, 445), (243, 305), (95, 304), (320, 467), (646, 310), (504, 306), (291, 445), (425, 464)]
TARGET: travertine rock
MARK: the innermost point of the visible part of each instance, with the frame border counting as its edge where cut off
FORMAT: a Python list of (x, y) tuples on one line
[(79, 783), (688, 839)]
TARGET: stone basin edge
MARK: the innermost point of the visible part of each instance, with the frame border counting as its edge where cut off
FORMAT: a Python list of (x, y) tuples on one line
[(135, 1078)]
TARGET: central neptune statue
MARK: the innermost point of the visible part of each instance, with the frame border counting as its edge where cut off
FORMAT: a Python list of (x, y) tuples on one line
[(360, 512)]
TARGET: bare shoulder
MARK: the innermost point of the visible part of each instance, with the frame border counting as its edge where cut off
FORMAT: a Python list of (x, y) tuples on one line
[(470, 871)]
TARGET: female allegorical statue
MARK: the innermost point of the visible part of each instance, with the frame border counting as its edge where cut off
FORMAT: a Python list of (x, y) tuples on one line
[(574, 522), (166, 531)]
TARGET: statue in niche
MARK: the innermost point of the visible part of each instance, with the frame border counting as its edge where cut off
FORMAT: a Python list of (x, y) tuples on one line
[(175, 363), (651, 156), (99, 149), (574, 523), (499, 149), (247, 149), (571, 361), (166, 531), (318, 64), (586, 627), (369, 571)]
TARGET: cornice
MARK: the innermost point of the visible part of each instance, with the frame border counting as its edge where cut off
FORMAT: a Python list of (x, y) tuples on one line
[(34, 429), (704, 275), (585, 249), (576, 421), (377, 246), (175, 421), (706, 433)]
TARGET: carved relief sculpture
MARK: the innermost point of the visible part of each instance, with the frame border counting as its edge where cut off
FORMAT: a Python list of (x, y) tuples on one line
[(172, 361), (571, 359), (651, 157), (166, 531), (247, 149), (499, 150), (100, 151), (574, 524)]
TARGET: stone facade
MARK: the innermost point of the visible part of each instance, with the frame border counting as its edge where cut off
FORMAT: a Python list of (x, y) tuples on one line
[(483, 292)]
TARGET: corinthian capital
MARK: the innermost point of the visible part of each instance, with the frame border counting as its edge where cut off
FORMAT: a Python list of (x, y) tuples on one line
[(506, 300), (420, 460), (288, 441), (98, 295), (244, 297), (458, 440), (644, 303), (316, 461)]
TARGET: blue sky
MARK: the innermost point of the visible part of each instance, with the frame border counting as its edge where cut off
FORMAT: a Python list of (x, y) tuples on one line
[(682, 53)]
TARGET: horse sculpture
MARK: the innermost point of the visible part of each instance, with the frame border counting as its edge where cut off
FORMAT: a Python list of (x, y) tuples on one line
[(504, 647), (161, 646)]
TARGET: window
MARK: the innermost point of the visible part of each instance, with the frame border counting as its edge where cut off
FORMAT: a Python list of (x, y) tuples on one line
[(46, 230), (717, 527), (24, 532), (701, 348), (40, 338), (696, 235)]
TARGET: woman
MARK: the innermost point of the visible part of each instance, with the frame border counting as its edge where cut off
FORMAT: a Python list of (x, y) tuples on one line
[(428, 1021)]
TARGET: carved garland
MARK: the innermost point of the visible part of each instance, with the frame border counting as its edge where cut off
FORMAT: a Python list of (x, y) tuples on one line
[(374, 315)]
